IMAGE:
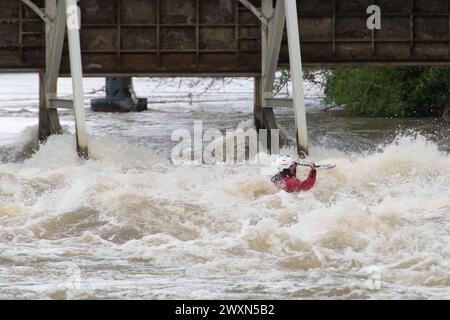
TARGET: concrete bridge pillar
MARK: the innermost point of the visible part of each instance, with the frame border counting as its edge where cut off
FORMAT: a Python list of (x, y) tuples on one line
[(120, 97)]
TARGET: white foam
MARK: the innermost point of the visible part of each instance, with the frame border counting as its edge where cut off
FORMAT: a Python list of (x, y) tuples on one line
[(387, 209)]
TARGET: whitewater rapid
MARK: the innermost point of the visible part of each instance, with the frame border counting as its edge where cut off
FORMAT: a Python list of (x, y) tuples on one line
[(128, 224), (224, 228)]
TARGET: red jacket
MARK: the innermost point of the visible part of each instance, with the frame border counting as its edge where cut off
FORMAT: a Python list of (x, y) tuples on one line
[(292, 184)]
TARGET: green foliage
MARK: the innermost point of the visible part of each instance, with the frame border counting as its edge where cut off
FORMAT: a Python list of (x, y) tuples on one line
[(390, 91)]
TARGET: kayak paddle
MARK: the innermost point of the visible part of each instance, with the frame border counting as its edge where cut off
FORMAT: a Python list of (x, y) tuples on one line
[(323, 166)]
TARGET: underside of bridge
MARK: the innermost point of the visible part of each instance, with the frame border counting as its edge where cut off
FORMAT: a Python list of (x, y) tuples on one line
[(211, 38), (173, 37)]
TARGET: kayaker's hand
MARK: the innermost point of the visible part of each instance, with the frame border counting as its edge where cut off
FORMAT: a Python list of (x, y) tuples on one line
[(312, 165)]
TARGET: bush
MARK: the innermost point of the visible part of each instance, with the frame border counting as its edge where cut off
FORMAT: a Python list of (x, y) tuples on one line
[(390, 91)]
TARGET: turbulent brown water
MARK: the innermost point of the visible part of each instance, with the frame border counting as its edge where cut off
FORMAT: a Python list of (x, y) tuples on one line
[(128, 224)]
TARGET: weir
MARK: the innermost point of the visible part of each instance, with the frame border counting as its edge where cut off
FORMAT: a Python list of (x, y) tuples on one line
[(118, 38)]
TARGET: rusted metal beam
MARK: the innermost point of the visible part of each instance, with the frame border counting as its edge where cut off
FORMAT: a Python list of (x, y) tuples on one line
[(210, 37)]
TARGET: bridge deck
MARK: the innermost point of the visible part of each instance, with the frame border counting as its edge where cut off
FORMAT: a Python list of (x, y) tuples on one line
[(212, 37)]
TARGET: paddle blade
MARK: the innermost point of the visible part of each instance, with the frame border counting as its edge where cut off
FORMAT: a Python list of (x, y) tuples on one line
[(327, 166), (322, 166)]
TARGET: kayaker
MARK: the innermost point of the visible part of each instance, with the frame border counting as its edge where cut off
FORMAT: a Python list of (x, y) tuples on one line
[(287, 179)]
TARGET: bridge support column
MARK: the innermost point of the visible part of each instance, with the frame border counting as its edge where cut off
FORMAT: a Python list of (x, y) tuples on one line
[(120, 97), (295, 58), (285, 13), (257, 108), (48, 118), (76, 69), (59, 16), (265, 117)]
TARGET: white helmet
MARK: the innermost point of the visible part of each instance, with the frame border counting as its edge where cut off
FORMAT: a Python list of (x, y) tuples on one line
[(284, 163)]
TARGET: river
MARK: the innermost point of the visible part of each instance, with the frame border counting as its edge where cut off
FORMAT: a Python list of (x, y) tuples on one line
[(128, 224)]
